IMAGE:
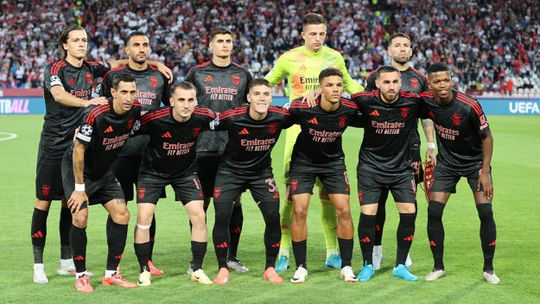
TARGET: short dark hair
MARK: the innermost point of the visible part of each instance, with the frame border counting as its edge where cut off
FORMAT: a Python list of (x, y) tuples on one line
[(63, 38), (400, 35), (258, 82), (123, 77), (329, 72), (438, 67), (385, 69), (132, 34), (184, 85), (313, 18), (220, 30)]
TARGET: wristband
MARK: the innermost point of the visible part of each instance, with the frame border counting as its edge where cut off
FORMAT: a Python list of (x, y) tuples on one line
[(80, 187), (431, 146)]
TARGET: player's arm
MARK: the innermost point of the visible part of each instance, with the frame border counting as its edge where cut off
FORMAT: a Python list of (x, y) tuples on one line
[(61, 96), (349, 85), (78, 197), (429, 130), (220, 123), (278, 72), (160, 66), (485, 173)]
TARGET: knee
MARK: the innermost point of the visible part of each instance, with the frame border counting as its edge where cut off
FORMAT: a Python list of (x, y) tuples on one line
[(300, 213), (435, 210), (198, 218), (42, 205), (122, 216), (484, 211), (80, 219), (370, 209), (343, 214), (144, 218)]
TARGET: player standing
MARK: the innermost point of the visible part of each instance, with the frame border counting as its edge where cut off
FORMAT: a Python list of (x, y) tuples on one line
[(221, 85), (465, 147), (302, 66), (170, 160), (153, 89), (253, 131), (88, 179), (412, 80)]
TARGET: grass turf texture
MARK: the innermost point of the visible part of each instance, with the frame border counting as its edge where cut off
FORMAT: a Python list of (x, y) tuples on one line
[(515, 167)]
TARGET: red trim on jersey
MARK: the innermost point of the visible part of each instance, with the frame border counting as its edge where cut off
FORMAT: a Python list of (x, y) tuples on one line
[(365, 93), (300, 105), (279, 110), (57, 66), (155, 115), (419, 73), (95, 112), (428, 94), (115, 69), (203, 64), (94, 63), (136, 103), (154, 68), (372, 72), (469, 101), (349, 104), (236, 64), (408, 94), (204, 112), (233, 112)]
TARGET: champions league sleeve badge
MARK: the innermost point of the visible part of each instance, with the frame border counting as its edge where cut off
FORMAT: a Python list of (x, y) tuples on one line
[(85, 133)]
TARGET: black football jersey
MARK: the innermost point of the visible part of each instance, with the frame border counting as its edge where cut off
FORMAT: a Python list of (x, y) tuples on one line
[(60, 120), (218, 89), (412, 80)]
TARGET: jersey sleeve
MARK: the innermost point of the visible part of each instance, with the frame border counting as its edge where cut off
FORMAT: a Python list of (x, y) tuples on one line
[(221, 122), (249, 78), (166, 94), (51, 77), (349, 84), (370, 82), (88, 127), (104, 88), (99, 68), (278, 71), (479, 120)]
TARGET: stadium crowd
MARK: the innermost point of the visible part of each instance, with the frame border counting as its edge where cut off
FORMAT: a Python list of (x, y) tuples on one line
[(491, 46)]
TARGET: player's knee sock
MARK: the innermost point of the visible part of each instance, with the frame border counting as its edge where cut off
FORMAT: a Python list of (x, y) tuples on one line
[(300, 252), (39, 233), (329, 225), (381, 218), (405, 236), (65, 227), (116, 242), (152, 235), (286, 214), (436, 232), (366, 234), (77, 238), (235, 227), (220, 233), (346, 251), (143, 255), (488, 234), (272, 231), (108, 226), (198, 250)]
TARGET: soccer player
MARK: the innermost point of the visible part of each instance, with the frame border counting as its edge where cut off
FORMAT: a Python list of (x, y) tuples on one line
[(153, 89), (412, 80), (384, 163), (318, 153), (302, 66), (465, 147), (221, 85), (88, 179), (253, 131), (170, 160)]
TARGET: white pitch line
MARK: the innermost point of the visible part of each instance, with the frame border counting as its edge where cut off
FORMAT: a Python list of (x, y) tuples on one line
[(9, 136)]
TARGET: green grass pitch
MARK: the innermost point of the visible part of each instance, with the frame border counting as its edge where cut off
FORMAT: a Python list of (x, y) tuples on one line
[(517, 214)]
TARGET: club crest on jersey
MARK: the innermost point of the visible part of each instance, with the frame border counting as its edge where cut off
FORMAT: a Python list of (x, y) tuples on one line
[(196, 131), (456, 119), (272, 128), (141, 192), (71, 81), (153, 82), (342, 121), (46, 190), (89, 78), (217, 192), (235, 79), (404, 112), (294, 185), (431, 115), (414, 83)]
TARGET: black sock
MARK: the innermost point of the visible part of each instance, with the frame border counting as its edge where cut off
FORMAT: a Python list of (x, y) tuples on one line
[(272, 231), (65, 227), (405, 236), (220, 233), (198, 250), (366, 234), (143, 255), (78, 241), (435, 230), (152, 236), (300, 252), (235, 228), (108, 226), (488, 234), (346, 251), (38, 233), (116, 243), (381, 217)]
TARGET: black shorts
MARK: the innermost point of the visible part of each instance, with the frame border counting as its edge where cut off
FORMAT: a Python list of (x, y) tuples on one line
[(230, 185), (207, 168), (49, 178), (332, 175), (98, 191), (186, 187), (445, 178), (126, 170), (370, 186)]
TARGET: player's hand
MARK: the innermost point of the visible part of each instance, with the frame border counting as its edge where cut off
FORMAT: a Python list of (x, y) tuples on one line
[(77, 199), (95, 101), (484, 183), (310, 98), (431, 156), (165, 71)]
